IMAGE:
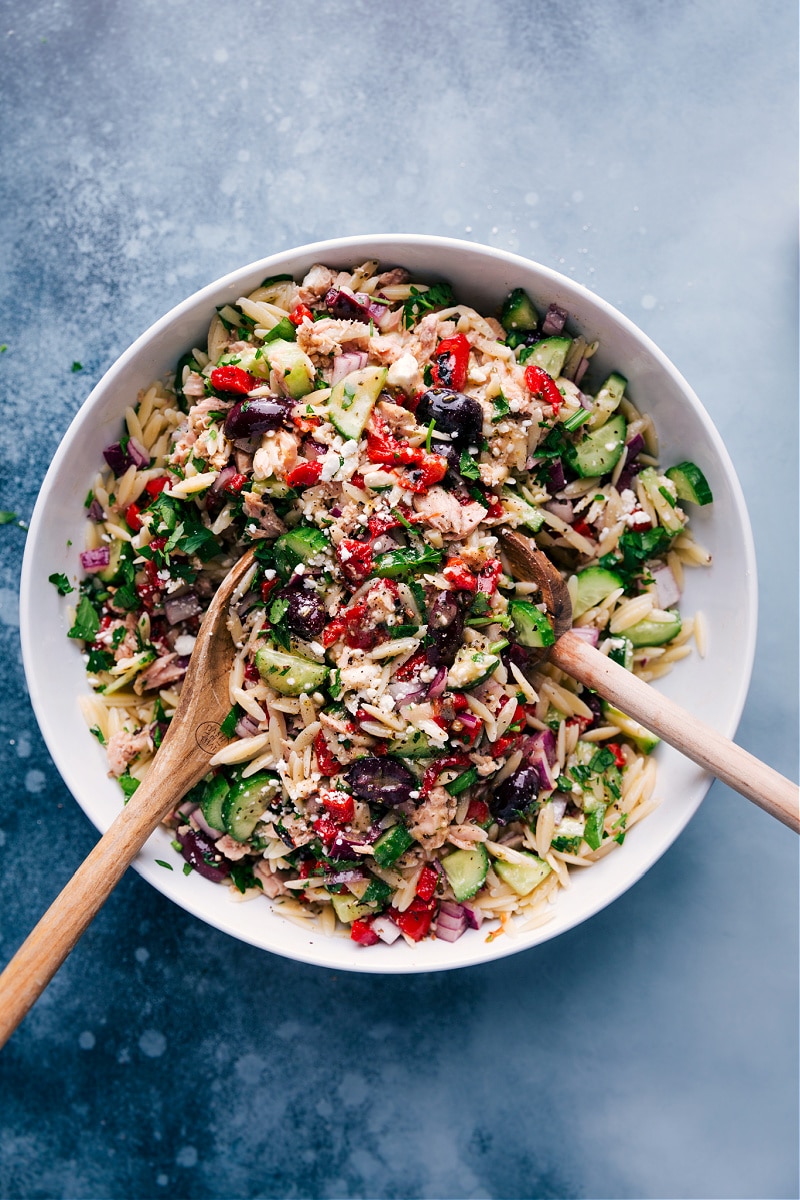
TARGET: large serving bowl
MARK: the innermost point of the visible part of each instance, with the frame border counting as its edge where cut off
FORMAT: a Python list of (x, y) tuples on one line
[(714, 688)]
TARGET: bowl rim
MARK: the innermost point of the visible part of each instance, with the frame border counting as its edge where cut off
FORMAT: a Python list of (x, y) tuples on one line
[(316, 251)]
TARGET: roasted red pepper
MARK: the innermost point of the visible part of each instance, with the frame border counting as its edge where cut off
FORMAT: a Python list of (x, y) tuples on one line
[(426, 884), (154, 486), (132, 517), (619, 757), (415, 922), (584, 529), (450, 361), (459, 702), (339, 805), (488, 576), (333, 631), (495, 510), (299, 314), (361, 931), (268, 585), (383, 447), (327, 763), (459, 575), (433, 772), (430, 470), (410, 668), (355, 559), (326, 828), (233, 380), (478, 812), (235, 484), (304, 474), (540, 384), (381, 524)]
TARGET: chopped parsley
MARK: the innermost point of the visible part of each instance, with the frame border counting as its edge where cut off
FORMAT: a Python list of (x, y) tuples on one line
[(420, 302), (468, 467), (128, 784), (76, 366), (61, 582), (501, 407), (87, 622), (7, 517), (98, 733)]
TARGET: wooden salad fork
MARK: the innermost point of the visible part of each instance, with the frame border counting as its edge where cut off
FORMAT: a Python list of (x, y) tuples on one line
[(703, 745), (192, 738)]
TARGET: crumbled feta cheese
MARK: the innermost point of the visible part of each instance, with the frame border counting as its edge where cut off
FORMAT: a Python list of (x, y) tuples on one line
[(330, 465), (185, 643), (404, 373)]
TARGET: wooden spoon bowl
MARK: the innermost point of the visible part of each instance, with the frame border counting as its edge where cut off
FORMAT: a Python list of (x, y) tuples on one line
[(698, 741)]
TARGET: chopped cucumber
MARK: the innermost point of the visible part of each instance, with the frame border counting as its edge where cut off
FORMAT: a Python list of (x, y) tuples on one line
[(594, 584), (690, 483), (568, 834), (662, 500), (391, 845), (298, 546), (253, 360), (466, 871), (607, 400), (522, 878), (654, 633), (518, 311), (414, 745), (272, 487), (213, 799), (246, 802), (642, 738), (297, 367), (550, 354), (621, 651), (349, 908), (518, 512), (109, 573), (473, 663), (599, 450), (531, 627), (290, 674), (136, 664), (353, 399)]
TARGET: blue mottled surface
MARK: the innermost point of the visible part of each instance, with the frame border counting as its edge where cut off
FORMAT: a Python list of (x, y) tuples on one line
[(647, 151)]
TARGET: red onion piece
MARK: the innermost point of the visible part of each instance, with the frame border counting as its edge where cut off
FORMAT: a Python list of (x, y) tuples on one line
[(137, 453), (95, 560), (386, 930), (580, 371), (347, 361), (354, 875), (474, 916), (438, 684), (116, 458), (471, 724), (557, 478), (667, 588), (587, 633), (554, 320), (451, 921), (95, 511), (181, 608), (586, 401), (246, 727), (204, 827), (562, 509)]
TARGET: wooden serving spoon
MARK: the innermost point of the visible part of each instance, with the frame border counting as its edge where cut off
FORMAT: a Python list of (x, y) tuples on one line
[(193, 736), (709, 749)]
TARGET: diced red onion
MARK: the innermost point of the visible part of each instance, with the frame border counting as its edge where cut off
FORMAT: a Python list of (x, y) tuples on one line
[(406, 693), (137, 453), (386, 930), (666, 585), (438, 684), (587, 633), (181, 608), (186, 808), (95, 511), (246, 727), (474, 916), (580, 370), (95, 560), (354, 875), (562, 509), (556, 476), (542, 755), (471, 724), (586, 401), (451, 921), (554, 320), (635, 446), (246, 603), (336, 512), (116, 458), (222, 480), (347, 361)]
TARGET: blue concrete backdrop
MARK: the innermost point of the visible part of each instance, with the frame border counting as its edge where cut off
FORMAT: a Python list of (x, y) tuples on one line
[(647, 150)]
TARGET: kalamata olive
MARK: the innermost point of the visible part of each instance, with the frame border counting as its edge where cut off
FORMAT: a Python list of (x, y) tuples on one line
[(515, 794), (445, 629), (255, 415), (454, 413), (381, 780), (306, 615), (200, 851), (341, 848)]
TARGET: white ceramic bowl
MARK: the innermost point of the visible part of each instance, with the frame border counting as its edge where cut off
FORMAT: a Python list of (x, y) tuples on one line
[(713, 688)]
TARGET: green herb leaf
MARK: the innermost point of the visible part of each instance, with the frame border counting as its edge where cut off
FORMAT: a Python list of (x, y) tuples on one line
[(7, 517), (76, 366), (438, 295), (593, 831), (228, 726), (468, 467), (601, 760), (98, 733), (128, 784), (501, 407), (61, 582), (87, 622)]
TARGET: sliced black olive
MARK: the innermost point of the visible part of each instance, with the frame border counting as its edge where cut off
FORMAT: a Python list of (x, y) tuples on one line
[(445, 629), (381, 780), (454, 413), (515, 795), (252, 416)]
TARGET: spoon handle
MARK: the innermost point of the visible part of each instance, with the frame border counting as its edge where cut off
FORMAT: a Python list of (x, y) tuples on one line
[(745, 774), (46, 947)]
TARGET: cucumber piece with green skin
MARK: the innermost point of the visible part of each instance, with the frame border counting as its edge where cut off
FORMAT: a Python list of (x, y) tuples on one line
[(349, 908), (466, 871), (642, 738), (568, 834), (415, 745), (472, 665), (290, 674), (599, 450), (246, 802), (621, 651), (594, 585), (391, 845), (519, 513), (518, 311), (353, 399), (297, 367), (531, 627), (109, 573), (298, 546), (690, 483), (522, 878), (607, 400), (661, 499), (654, 633), (215, 793), (138, 663), (550, 354)]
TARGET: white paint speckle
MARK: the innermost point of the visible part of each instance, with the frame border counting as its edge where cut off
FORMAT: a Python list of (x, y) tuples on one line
[(141, 955), (24, 746), (9, 607), (87, 1040), (152, 1043), (221, 54), (531, 198), (648, 301), (162, 1180), (35, 781), (186, 1156)]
